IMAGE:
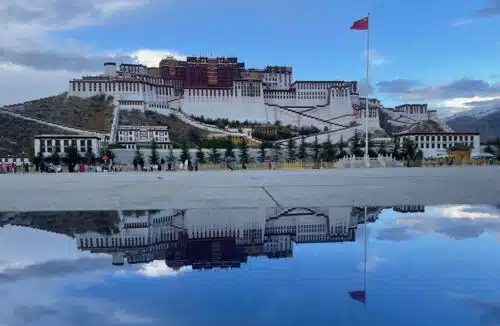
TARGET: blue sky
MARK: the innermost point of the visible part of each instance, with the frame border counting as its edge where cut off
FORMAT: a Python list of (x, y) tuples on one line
[(441, 52), (429, 268)]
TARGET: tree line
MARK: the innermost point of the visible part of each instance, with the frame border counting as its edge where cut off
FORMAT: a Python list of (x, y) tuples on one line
[(71, 157)]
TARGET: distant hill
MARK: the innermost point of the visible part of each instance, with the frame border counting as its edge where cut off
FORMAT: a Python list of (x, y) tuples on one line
[(179, 131), (16, 134), (94, 113), (487, 125)]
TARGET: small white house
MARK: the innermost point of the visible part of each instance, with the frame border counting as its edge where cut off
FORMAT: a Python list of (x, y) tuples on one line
[(437, 144), (50, 144)]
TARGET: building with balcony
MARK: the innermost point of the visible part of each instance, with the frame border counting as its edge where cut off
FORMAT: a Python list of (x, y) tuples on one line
[(142, 136)]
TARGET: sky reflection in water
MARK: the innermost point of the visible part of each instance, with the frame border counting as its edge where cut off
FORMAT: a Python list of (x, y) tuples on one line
[(428, 265)]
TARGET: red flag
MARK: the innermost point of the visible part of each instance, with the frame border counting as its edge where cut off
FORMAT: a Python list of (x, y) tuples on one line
[(360, 25), (358, 296)]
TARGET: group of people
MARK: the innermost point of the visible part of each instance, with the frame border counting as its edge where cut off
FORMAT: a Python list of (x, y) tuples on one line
[(12, 167)]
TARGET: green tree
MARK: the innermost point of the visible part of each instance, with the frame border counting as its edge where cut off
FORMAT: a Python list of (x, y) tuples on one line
[(371, 148), (277, 152), (229, 149), (171, 157), (489, 149), (497, 145), (262, 152), (302, 149), (138, 160), (200, 155), (409, 150), (382, 150), (341, 148), (37, 161), (154, 157), (244, 150), (291, 150), (71, 158), (316, 150), (214, 155), (90, 158), (329, 151), (356, 145), (396, 151), (55, 159), (106, 151), (185, 152)]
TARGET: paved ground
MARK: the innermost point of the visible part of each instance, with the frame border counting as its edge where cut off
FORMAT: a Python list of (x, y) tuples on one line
[(430, 186)]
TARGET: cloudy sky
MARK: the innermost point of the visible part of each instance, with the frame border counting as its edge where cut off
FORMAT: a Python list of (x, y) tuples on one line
[(441, 52), (437, 267)]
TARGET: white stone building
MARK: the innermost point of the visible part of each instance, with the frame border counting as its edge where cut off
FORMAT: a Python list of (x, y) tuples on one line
[(438, 144), (221, 238), (130, 90), (410, 113), (261, 96), (132, 136), (50, 144)]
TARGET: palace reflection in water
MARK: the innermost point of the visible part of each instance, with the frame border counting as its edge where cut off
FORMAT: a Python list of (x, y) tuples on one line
[(202, 238)]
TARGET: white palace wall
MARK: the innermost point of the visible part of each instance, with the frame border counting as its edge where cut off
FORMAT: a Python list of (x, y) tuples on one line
[(225, 105)]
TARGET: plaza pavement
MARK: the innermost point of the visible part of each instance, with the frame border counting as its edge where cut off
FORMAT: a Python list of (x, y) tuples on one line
[(215, 189)]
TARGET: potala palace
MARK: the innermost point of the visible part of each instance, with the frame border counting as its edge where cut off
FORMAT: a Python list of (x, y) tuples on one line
[(223, 88)]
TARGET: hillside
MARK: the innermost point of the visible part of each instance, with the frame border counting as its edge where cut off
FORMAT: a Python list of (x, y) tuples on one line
[(16, 134), (179, 131), (427, 126), (487, 126), (94, 113), (423, 126), (66, 222)]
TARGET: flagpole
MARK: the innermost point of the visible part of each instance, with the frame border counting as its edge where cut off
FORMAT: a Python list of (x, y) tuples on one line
[(367, 88), (366, 242)]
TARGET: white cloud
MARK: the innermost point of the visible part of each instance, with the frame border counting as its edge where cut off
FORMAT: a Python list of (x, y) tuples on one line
[(18, 84), (461, 22), (376, 58), (372, 263), (151, 58), (34, 63), (158, 268)]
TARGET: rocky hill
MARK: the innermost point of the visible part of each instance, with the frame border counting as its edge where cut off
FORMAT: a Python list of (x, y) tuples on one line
[(65, 222), (16, 134), (423, 126), (94, 113), (487, 125)]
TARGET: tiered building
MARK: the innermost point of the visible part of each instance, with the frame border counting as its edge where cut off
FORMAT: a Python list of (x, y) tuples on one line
[(205, 239), (225, 88)]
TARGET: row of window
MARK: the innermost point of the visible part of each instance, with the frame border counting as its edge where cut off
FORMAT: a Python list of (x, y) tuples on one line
[(65, 142), (120, 87), (438, 145), (445, 138), (143, 133), (59, 149), (324, 85), (158, 139), (124, 102)]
